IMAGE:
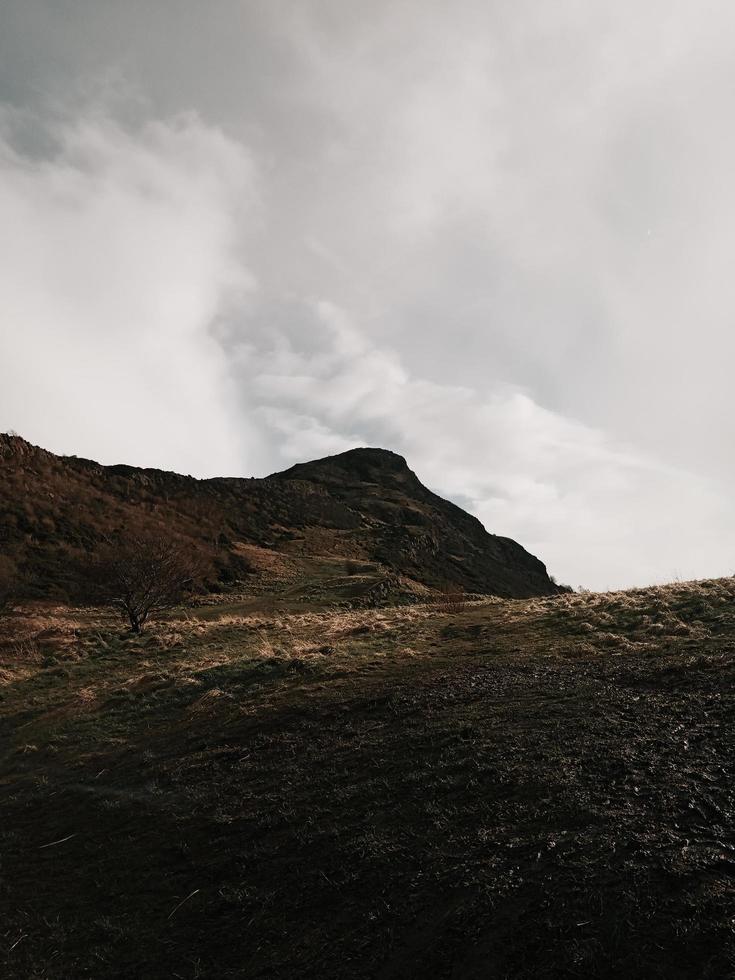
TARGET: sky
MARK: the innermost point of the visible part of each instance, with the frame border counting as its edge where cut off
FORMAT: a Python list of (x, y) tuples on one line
[(495, 236)]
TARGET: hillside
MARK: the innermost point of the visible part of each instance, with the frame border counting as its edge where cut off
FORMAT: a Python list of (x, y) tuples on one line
[(525, 789), (363, 506)]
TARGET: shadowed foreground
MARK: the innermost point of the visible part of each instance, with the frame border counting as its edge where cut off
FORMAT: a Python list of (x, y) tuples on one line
[(537, 788)]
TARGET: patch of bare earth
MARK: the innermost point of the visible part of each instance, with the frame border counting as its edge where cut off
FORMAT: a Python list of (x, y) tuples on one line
[(518, 789)]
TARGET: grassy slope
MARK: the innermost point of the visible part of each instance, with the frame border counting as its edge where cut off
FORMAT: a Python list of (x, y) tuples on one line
[(535, 788)]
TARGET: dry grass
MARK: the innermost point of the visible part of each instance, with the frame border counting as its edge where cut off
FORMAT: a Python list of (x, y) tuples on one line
[(452, 602), (621, 622), (398, 789)]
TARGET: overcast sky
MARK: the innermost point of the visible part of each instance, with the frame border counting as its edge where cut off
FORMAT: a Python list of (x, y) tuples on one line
[(495, 237)]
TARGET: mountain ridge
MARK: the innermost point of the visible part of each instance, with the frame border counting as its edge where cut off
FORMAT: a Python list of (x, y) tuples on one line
[(365, 504)]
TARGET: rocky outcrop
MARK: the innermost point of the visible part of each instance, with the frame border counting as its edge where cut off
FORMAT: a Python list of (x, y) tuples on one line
[(416, 533)]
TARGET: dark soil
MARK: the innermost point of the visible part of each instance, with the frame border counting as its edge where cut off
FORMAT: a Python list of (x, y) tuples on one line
[(494, 808)]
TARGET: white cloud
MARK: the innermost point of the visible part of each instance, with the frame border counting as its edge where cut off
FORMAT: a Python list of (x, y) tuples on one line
[(120, 253), (598, 514), (528, 210)]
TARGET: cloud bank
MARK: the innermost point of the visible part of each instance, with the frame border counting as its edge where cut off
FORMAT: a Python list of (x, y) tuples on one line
[(496, 238), (120, 258)]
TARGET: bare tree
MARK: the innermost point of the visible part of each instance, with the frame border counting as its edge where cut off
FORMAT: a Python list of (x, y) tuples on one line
[(141, 576)]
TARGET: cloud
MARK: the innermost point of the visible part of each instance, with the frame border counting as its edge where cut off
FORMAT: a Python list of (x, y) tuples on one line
[(522, 215), (598, 513), (533, 196), (120, 256)]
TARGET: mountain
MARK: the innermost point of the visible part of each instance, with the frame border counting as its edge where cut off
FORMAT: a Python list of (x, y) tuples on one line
[(413, 530), (362, 513)]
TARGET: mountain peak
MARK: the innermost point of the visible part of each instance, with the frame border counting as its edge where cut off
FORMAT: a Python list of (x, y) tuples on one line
[(364, 463)]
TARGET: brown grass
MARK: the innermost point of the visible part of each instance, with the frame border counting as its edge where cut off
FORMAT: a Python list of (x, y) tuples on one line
[(452, 602), (542, 784)]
